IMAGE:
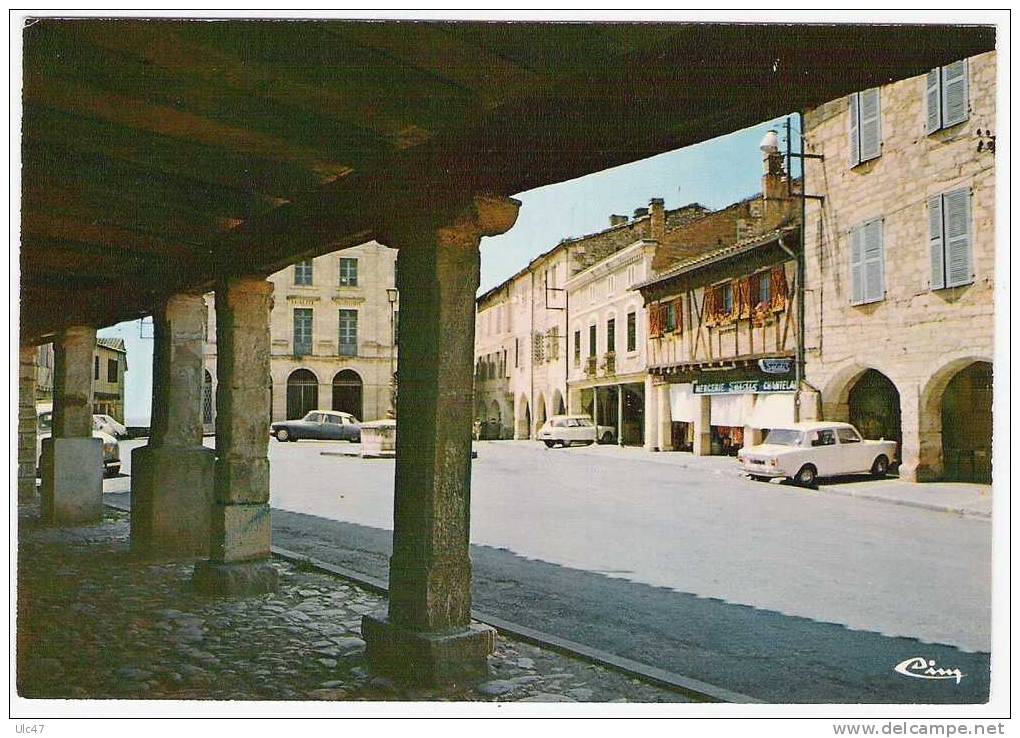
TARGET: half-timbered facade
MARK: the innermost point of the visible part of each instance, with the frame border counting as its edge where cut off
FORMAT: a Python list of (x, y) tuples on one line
[(723, 344)]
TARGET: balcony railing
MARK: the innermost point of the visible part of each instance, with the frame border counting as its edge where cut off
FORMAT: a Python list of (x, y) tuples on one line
[(348, 349), (609, 362), (591, 366), (302, 348)]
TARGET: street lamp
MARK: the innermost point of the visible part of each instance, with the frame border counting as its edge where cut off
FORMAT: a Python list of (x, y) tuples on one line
[(391, 296)]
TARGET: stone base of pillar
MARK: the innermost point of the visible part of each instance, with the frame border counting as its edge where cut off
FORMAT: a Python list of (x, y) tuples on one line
[(235, 579), (72, 480), (428, 659), (171, 500)]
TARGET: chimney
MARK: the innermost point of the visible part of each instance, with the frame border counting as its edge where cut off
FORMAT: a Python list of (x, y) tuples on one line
[(658, 225), (615, 220), (773, 181)]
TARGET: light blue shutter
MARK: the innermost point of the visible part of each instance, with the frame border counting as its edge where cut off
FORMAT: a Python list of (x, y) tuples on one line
[(870, 124), (933, 97), (856, 267), (955, 97), (935, 247), (958, 250), (874, 262), (855, 139)]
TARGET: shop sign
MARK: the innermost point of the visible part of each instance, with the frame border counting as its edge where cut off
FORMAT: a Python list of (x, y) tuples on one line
[(752, 386), (775, 366)]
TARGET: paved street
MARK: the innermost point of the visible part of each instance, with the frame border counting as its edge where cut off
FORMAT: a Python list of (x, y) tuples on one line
[(774, 591)]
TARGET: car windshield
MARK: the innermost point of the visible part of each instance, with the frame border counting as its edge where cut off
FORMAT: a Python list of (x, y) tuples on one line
[(784, 437), (584, 422), (46, 421)]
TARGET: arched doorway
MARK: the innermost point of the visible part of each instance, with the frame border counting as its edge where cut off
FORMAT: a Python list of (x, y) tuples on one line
[(967, 425), (539, 413), (874, 406), (558, 407), (495, 419), (207, 399), (347, 393), (302, 393)]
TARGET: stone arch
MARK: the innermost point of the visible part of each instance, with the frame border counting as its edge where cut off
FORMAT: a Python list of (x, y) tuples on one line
[(836, 393), (302, 393), (540, 412), (558, 406), (348, 393), (954, 451), (523, 419), (873, 403)]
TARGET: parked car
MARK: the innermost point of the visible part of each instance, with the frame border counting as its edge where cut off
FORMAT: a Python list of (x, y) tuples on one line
[(319, 424), (110, 425), (566, 430), (805, 451), (44, 429)]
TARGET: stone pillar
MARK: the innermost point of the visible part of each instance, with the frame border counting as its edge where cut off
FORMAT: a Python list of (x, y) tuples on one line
[(920, 457), (172, 476), (427, 636), (664, 427), (703, 426), (27, 422), (239, 528), (72, 460), (652, 410), (619, 415)]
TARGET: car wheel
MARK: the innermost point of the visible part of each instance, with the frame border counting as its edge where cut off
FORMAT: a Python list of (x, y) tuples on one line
[(807, 476), (756, 478), (881, 467), (607, 437), (283, 435), (550, 444)]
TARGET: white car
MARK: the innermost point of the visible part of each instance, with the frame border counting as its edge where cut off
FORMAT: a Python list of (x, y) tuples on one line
[(805, 451), (109, 425), (44, 429), (565, 430)]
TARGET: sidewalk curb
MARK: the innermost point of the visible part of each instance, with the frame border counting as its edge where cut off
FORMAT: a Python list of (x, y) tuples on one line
[(962, 511)]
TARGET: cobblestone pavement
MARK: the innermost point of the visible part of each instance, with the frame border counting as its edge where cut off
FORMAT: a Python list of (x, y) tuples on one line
[(96, 622)]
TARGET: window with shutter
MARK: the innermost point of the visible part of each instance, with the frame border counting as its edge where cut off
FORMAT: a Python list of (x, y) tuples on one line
[(855, 136), (954, 93), (577, 347), (678, 307), (935, 245), (865, 126), (947, 96), (592, 339), (654, 324), (856, 268), (874, 262), (957, 240), (632, 331)]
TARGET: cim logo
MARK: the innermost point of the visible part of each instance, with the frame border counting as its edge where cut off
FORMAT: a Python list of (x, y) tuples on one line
[(921, 668)]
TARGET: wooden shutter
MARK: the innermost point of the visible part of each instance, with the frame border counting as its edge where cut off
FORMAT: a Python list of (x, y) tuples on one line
[(935, 243), (778, 288), (933, 98), (744, 303), (856, 267), (678, 307), (708, 315), (654, 321), (957, 237), (955, 97), (870, 124), (874, 262), (855, 138)]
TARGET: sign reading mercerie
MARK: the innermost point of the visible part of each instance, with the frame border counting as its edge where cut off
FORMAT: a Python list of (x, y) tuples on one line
[(745, 387)]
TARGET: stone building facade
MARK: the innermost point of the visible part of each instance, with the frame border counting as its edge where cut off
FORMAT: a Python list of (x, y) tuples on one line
[(333, 328), (525, 347), (109, 364), (900, 260)]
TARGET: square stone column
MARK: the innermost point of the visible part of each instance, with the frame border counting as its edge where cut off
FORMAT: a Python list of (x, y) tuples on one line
[(664, 426), (427, 636), (172, 476), (652, 411), (72, 460), (703, 426), (27, 422), (239, 554)]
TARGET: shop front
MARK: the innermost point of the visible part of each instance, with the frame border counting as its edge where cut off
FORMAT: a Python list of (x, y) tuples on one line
[(618, 410), (717, 409)]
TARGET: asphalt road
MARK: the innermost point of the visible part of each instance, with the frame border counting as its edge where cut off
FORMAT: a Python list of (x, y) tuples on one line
[(778, 593)]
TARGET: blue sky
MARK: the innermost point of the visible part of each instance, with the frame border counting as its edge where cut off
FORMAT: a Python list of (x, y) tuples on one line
[(715, 173)]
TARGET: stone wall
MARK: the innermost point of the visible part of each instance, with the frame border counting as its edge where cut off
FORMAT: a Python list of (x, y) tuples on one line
[(917, 337)]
